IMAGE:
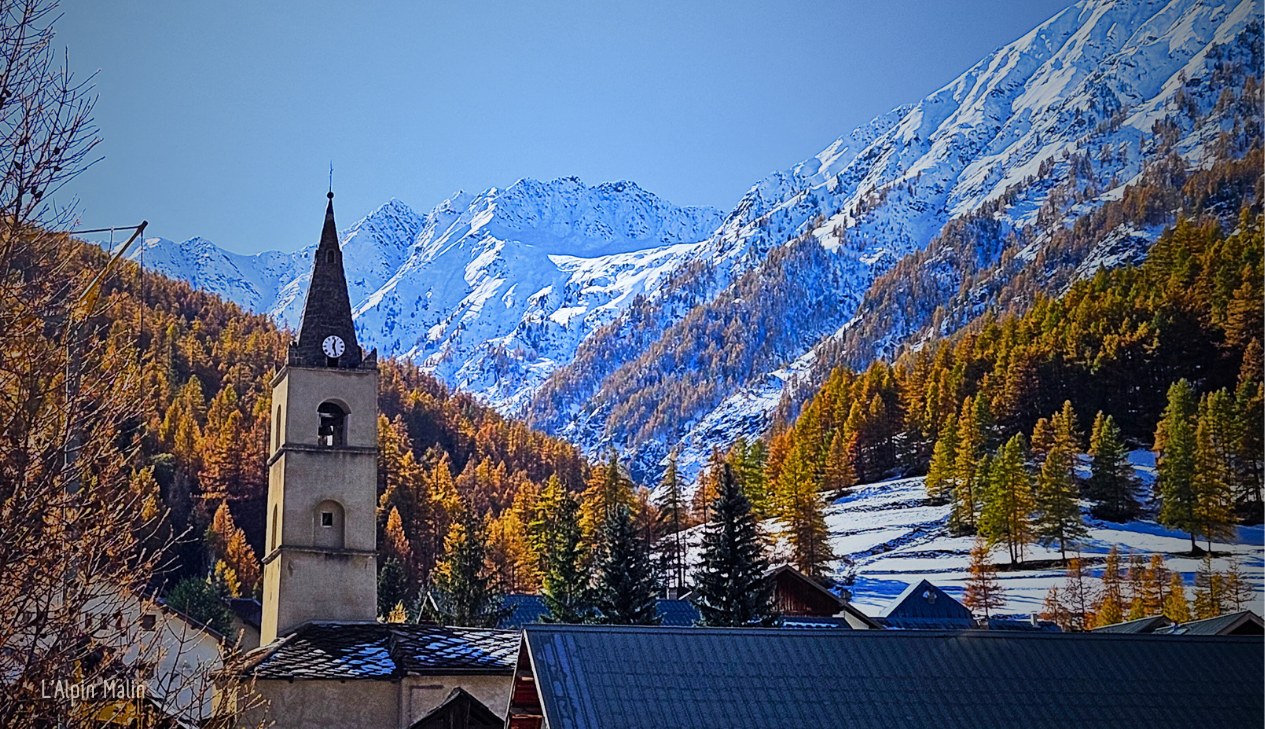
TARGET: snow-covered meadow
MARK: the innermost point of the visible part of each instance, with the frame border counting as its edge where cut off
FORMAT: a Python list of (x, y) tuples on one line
[(895, 538)]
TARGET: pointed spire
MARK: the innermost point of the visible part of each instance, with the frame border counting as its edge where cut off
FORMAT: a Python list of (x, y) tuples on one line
[(327, 310)]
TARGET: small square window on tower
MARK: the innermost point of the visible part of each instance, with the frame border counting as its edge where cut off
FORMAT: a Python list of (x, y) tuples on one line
[(147, 621), (327, 518)]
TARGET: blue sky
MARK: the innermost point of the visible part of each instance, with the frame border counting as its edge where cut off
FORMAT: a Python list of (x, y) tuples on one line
[(220, 119)]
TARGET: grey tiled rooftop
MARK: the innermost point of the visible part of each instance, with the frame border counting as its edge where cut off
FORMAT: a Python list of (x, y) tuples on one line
[(696, 678), (334, 650)]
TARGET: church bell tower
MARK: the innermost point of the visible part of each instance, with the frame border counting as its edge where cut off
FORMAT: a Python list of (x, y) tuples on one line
[(321, 561)]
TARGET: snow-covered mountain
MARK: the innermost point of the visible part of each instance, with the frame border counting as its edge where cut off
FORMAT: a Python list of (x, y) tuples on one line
[(587, 310), (491, 292), (1045, 128)]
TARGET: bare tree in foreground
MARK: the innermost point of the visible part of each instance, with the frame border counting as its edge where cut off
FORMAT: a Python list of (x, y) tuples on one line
[(80, 526)]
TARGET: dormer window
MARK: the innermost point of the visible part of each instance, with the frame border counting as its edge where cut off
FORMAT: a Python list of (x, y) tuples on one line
[(332, 430), (331, 257)]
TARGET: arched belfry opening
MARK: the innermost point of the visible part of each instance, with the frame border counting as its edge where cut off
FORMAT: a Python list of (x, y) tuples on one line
[(328, 525), (332, 430)]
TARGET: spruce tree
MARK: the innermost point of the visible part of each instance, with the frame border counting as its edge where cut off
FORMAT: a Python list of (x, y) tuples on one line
[(1058, 519), (1249, 444), (392, 589), (733, 587), (1112, 484), (984, 592), (555, 535), (1214, 471), (197, 598), (464, 592), (940, 482), (1175, 447), (625, 590), (1006, 517)]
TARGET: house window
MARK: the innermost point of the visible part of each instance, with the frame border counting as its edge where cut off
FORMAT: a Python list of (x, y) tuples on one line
[(327, 519), (332, 430), (147, 621), (276, 534), (276, 430)]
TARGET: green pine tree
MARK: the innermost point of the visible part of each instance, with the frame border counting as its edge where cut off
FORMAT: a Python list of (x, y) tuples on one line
[(1249, 445), (733, 587), (464, 592), (1112, 484), (1175, 463), (392, 586), (625, 590), (1059, 519), (197, 598), (555, 535), (1214, 469)]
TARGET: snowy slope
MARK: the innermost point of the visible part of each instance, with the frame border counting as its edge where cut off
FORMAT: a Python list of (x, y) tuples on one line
[(893, 537)]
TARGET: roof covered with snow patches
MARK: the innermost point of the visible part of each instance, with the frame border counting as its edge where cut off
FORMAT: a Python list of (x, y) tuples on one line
[(335, 650)]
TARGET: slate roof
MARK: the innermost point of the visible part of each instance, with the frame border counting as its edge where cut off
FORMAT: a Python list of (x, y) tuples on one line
[(923, 606), (1136, 627), (334, 650), (1220, 625), (698, 678), (528, 609)]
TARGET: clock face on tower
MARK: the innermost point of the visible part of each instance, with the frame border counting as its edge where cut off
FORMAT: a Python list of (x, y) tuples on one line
[(332, 346)]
